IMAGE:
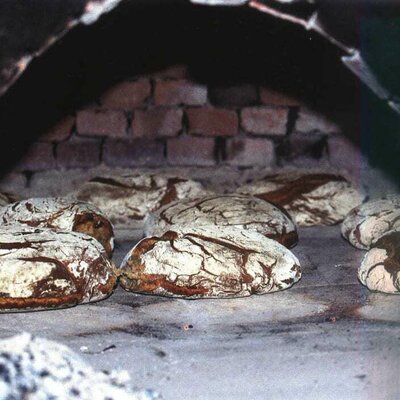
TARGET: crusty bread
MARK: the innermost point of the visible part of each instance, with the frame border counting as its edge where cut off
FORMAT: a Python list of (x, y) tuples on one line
[(61, 213), (213, 262), (241, 211), (127, 199), (310, 198), (44, 268), (368, 222), (380, 267)]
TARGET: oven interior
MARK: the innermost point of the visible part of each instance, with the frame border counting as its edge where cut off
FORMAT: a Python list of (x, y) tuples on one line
[(221, 95)]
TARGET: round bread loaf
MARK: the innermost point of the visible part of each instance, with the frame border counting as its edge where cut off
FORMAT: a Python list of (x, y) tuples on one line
[(209, 262), (127, 199), (380, 267), (41, 268), (38, 369), (61, 213), (245, 212), (310, 198), (368, 222)]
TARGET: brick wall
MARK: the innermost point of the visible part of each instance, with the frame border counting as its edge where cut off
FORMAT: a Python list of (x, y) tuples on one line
[(168, 119)]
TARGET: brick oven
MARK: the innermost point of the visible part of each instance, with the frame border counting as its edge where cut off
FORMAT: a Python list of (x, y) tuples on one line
[(221, 95)]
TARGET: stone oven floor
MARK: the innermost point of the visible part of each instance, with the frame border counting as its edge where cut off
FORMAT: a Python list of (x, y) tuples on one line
[(326, 338)]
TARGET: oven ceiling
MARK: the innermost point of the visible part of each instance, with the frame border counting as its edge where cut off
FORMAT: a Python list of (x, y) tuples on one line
[(29, 28)]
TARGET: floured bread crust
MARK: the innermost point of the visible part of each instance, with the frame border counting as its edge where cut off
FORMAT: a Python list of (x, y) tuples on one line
[(244, 212), (63, 214), (380, 267), (310, 198), (42, 268), (368, 222), (127, 199), (38, 369), (209, 262)]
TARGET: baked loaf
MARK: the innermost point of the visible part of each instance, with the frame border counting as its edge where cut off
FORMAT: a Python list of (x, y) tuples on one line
[(61, 213), (37, 369), (368, 222), (42, 268), (241, 211), (380, 267), (211, 262), (127, 199), (310, 198)]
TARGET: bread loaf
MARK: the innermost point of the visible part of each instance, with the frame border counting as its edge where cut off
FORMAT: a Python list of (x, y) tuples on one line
[(60, 213), (310, 198), (244, 212), (380, 267), (211, 262), (127, 199), (43, 268), (366, 223)]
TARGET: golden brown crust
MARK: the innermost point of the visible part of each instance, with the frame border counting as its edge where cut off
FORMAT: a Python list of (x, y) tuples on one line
[(18, 303)]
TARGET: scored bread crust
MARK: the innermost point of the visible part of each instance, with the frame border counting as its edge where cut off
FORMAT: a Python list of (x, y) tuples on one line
[(61, 214), (380, 267), (209, 262), (42, 268), (241, 211), (368, 222), (127, 199), (310, 198)]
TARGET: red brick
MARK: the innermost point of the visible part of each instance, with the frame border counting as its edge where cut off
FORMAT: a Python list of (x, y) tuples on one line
[(40, 156), (99, 122), (272, 97), (60, 131), (246, 152), (311, 121), (212, 122), (265, 120), (237, 95), (133, 152), (175, 92), (127, 95), (177, 71), (191, 151), (78, 153), (157, 122)]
